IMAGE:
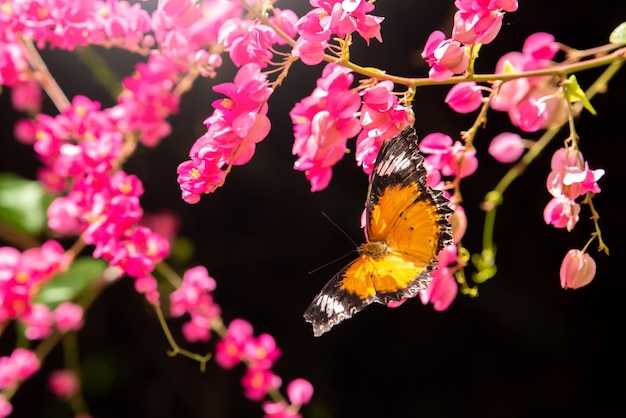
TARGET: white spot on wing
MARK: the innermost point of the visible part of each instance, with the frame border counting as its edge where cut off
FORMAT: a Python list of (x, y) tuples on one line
[(393, 164), (329, 305)]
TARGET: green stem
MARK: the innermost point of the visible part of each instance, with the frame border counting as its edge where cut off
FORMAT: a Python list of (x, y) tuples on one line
[(175, 348)]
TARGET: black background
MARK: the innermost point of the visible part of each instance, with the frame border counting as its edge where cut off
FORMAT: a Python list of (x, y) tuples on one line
[(524, 347)]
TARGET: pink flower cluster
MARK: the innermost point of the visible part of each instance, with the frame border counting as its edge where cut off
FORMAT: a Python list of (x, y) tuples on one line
[(39, 319), (333, 17), (569, 179), (194, 297), (325, 120), (532, 103), (21, 277), (23, 273), (382, 117), (237, 124), (447, 157), (475, 22), (17, 367), (81, 148), (259, 354), (248, 41)]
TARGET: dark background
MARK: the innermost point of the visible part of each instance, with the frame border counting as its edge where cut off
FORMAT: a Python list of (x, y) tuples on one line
[(524, 347)]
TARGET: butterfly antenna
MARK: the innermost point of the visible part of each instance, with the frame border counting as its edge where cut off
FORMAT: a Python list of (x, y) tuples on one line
[(339, 228), (331, 262), (343, 256)]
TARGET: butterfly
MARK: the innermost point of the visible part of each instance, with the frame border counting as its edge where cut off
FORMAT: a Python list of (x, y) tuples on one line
[(407, 225)]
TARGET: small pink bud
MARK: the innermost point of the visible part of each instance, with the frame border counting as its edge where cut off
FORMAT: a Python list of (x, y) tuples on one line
[(64, 383), (458, 220), (577, 269), (299, 391), (68, 316), (5, 407), (465, 97), (506, 147)]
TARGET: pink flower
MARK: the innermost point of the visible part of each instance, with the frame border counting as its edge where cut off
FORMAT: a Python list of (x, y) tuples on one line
[(571, 176), (445, 57), (38, 322), (561, 212), (532, 103), (238, 122), (181, 12), (68, 317), (229, 350), (26, 96), (64, 216), (193, 297), (458, 221), (530, 114), (18, 367), (382, 117), (262, 351), (577, 270), (322, 126), (465, 97), (299, 391), (340, 18), (279, 410), (506, 147), (540, 46), (443, 288), (452, 159), (311, 53), (257, 382), (164, 222), (479, 21), (441, 292), (25, 131), (285, 20), (5, 407), (64, 384), (247, 41), (476, 27)]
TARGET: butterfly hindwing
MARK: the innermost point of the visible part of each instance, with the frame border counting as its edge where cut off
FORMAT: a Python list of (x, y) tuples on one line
[(362, 282), (334, 302)]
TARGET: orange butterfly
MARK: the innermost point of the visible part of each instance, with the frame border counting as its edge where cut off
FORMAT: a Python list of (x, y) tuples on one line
[(407, 225)]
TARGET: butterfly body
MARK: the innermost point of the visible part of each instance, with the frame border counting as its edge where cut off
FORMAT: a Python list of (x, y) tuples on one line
[(407, 226)]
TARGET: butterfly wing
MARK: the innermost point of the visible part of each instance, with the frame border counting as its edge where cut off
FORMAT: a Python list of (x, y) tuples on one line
[(342, 297), (407, 215), (402, 211), (406, 227), (362, 282)]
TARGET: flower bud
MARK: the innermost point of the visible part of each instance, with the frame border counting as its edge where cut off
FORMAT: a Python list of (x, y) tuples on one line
[(577, 269), (506, 147), (465, 97)]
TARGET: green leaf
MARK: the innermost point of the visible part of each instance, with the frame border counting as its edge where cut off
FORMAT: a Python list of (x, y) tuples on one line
[(576, 94), (618, 36), (66, 286), (23, 203)]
